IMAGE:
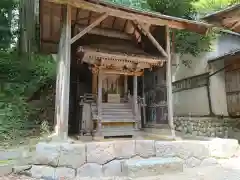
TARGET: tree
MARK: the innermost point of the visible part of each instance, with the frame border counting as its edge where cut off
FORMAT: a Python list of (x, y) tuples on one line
[(205, 7), (184, 41), (6, 17)]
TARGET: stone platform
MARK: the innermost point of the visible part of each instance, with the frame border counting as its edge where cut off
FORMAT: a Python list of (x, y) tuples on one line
[(112, 158)]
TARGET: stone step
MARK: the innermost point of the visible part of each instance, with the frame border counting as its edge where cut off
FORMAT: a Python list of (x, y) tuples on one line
[(117, 110), (118, 132), (151, 167), (112, 105), (118, 116), (113, 111), (117, 120)]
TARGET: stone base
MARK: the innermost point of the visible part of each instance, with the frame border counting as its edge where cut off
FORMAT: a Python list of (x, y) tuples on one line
[(5, 169), (85, 138), (205, 126), (152, 167), (65, 160)]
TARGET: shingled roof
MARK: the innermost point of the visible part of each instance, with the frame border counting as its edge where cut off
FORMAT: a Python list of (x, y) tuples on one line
[(228, 18)]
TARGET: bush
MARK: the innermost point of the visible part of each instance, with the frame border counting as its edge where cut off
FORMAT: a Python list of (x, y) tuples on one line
[(20, 78)]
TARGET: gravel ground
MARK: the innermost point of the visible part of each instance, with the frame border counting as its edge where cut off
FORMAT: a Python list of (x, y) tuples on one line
[(16, 177)]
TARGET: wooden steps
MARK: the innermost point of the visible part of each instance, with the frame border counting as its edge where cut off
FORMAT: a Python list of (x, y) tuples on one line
[(117, 120)]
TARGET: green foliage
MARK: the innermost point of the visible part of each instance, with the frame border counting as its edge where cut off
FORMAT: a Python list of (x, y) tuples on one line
[(184, 41), (6, 20), (205, 7), (20, 78), (177, 8)]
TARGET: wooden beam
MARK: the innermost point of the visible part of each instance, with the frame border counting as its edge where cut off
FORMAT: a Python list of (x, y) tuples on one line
[(169, 84), (237, 24), (120, 57), (116, 71), (107, 33), (172, 22), (151, 38), (90, 27)]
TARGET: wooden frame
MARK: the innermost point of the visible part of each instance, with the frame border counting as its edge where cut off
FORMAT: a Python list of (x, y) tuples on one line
[(138, 18), (106, 33), (151, 38), (89, 28), (134, 15)]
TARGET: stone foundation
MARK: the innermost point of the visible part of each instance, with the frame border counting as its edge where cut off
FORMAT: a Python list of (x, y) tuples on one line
[(205, 126), (107, 159)]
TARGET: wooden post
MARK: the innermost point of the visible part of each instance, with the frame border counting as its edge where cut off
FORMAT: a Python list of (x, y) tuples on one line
[(169, 83), (94, 83), (99, 102), (125, 85), (144, 102), (135, 105), (63, 77)]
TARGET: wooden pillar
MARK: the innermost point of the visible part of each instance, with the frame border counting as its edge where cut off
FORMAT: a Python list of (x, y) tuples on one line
[(125, 85), (99, 102), (63, 77), (94, 83), (169, 83), (144, 101), (135, 105)]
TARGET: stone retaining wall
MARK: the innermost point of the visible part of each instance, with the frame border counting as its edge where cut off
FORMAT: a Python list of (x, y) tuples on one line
[(97, 159), (205, 126)]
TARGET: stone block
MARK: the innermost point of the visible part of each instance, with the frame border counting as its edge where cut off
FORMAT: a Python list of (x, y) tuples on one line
[(72, 155), (100, 152), (21, 169), (47, 154), (113, 168), (145, 148), (5, 169), (166, 149), (209, 162), (42, 172), (198, 149), (152, 167), (90, 170), (182, 149), (223, 148), (192, 162), (64, 173), (124, 149)]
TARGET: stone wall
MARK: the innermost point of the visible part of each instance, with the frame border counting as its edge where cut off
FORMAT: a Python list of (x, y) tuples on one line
[(205, 126), (64, 160)]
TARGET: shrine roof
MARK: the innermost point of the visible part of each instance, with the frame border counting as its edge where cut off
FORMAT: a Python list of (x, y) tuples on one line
[(120, 18), (123, 53), (228, 18)]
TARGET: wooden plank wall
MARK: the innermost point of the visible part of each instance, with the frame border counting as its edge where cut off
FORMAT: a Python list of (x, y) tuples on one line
[(232, 81)]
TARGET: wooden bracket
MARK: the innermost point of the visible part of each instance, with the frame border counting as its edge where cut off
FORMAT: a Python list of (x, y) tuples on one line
[(151, 38), (89, 28)]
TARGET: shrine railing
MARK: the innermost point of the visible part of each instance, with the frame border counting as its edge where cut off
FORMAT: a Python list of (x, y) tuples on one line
[(87, 101)]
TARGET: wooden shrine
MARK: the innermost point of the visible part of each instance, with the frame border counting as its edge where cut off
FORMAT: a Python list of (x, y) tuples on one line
[(116, 43)]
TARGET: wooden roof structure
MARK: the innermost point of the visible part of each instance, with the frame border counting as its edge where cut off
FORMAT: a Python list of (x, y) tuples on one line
[(119, 19), (228, 18)]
